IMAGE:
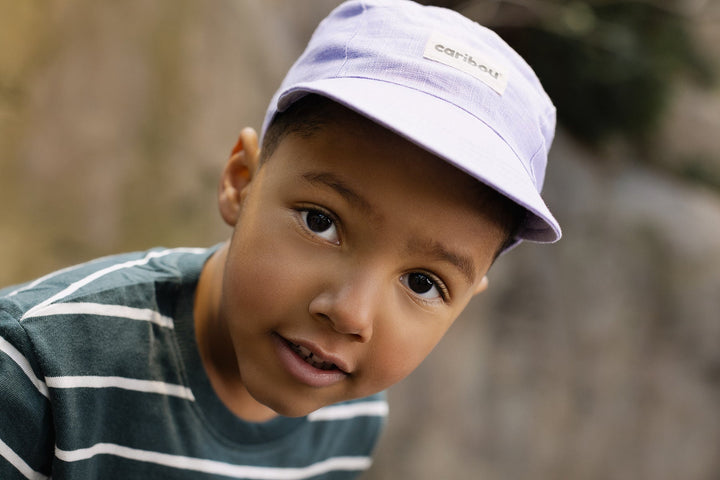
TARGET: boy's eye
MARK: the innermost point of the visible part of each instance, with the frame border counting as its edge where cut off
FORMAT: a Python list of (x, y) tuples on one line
[(320, 224), (423, 285)]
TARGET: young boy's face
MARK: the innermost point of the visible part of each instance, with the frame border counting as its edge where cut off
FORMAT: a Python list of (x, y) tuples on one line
[(352, 254)]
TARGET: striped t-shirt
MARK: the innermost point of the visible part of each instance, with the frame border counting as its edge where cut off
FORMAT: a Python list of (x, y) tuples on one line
[(101, 378)]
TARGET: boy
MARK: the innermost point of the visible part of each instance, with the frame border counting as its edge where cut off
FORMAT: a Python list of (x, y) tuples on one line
[(403, 152)]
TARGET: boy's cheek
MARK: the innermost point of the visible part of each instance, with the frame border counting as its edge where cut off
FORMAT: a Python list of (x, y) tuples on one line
[(261, 284), (400, 346), (272, 273)]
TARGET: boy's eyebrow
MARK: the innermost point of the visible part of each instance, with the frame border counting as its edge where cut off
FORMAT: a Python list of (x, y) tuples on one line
[(432, 248), (341, 187)]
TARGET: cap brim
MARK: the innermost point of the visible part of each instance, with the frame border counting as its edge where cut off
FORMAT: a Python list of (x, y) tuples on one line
[(430, 123)]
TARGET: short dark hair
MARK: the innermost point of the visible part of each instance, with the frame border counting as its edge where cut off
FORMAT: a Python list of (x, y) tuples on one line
[(304, 117), (312, 112)]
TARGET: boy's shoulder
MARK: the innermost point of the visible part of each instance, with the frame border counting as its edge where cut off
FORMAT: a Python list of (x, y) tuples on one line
[(116, 279), (93, 318)]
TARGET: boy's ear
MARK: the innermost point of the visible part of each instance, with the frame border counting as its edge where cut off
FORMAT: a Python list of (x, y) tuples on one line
[(482, 286), (237, 175)]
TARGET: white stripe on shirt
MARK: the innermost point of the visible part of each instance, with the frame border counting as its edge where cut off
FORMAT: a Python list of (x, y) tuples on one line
[(50, 275), (350, 410), (216, 467), (24, 365), (148, 386), (8, 454), (101, 309), (73, 287)]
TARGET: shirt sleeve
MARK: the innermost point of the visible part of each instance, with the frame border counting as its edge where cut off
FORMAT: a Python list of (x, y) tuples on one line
[(26, 433)]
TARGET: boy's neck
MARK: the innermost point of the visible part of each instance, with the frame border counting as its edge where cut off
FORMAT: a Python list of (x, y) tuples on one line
[(216, 351)]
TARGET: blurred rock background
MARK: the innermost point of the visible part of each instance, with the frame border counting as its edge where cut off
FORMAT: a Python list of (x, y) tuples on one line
[(596, 358)]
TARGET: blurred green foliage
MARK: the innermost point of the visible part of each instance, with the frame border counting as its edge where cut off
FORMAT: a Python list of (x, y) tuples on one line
[(609, 66)]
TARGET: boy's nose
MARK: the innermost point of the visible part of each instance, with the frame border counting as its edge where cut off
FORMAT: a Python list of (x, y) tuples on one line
[(350, 306)]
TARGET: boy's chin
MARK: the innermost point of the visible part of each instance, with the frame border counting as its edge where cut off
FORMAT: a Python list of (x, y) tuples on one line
[(295, 410), (287, 406)]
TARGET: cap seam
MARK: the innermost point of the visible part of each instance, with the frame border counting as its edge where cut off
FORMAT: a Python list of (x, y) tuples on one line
[(346, 57)]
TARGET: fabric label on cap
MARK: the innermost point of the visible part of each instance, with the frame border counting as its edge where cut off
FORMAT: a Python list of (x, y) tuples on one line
[(450, 52)]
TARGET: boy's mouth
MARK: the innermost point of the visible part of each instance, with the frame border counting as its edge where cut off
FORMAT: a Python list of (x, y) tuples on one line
[(309, 363), (311, 358)]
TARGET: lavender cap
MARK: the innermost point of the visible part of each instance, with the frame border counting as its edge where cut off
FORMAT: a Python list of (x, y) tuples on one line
[(445, 83)]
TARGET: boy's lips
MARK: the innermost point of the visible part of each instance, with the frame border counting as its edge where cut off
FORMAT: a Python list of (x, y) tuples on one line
[(309, 363), (315, 355)]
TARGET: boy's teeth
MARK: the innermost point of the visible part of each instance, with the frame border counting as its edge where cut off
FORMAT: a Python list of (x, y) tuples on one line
[(304, 352), (307, 355)]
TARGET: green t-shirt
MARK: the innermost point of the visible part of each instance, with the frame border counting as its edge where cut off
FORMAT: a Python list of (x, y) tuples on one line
[(101, 378)]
